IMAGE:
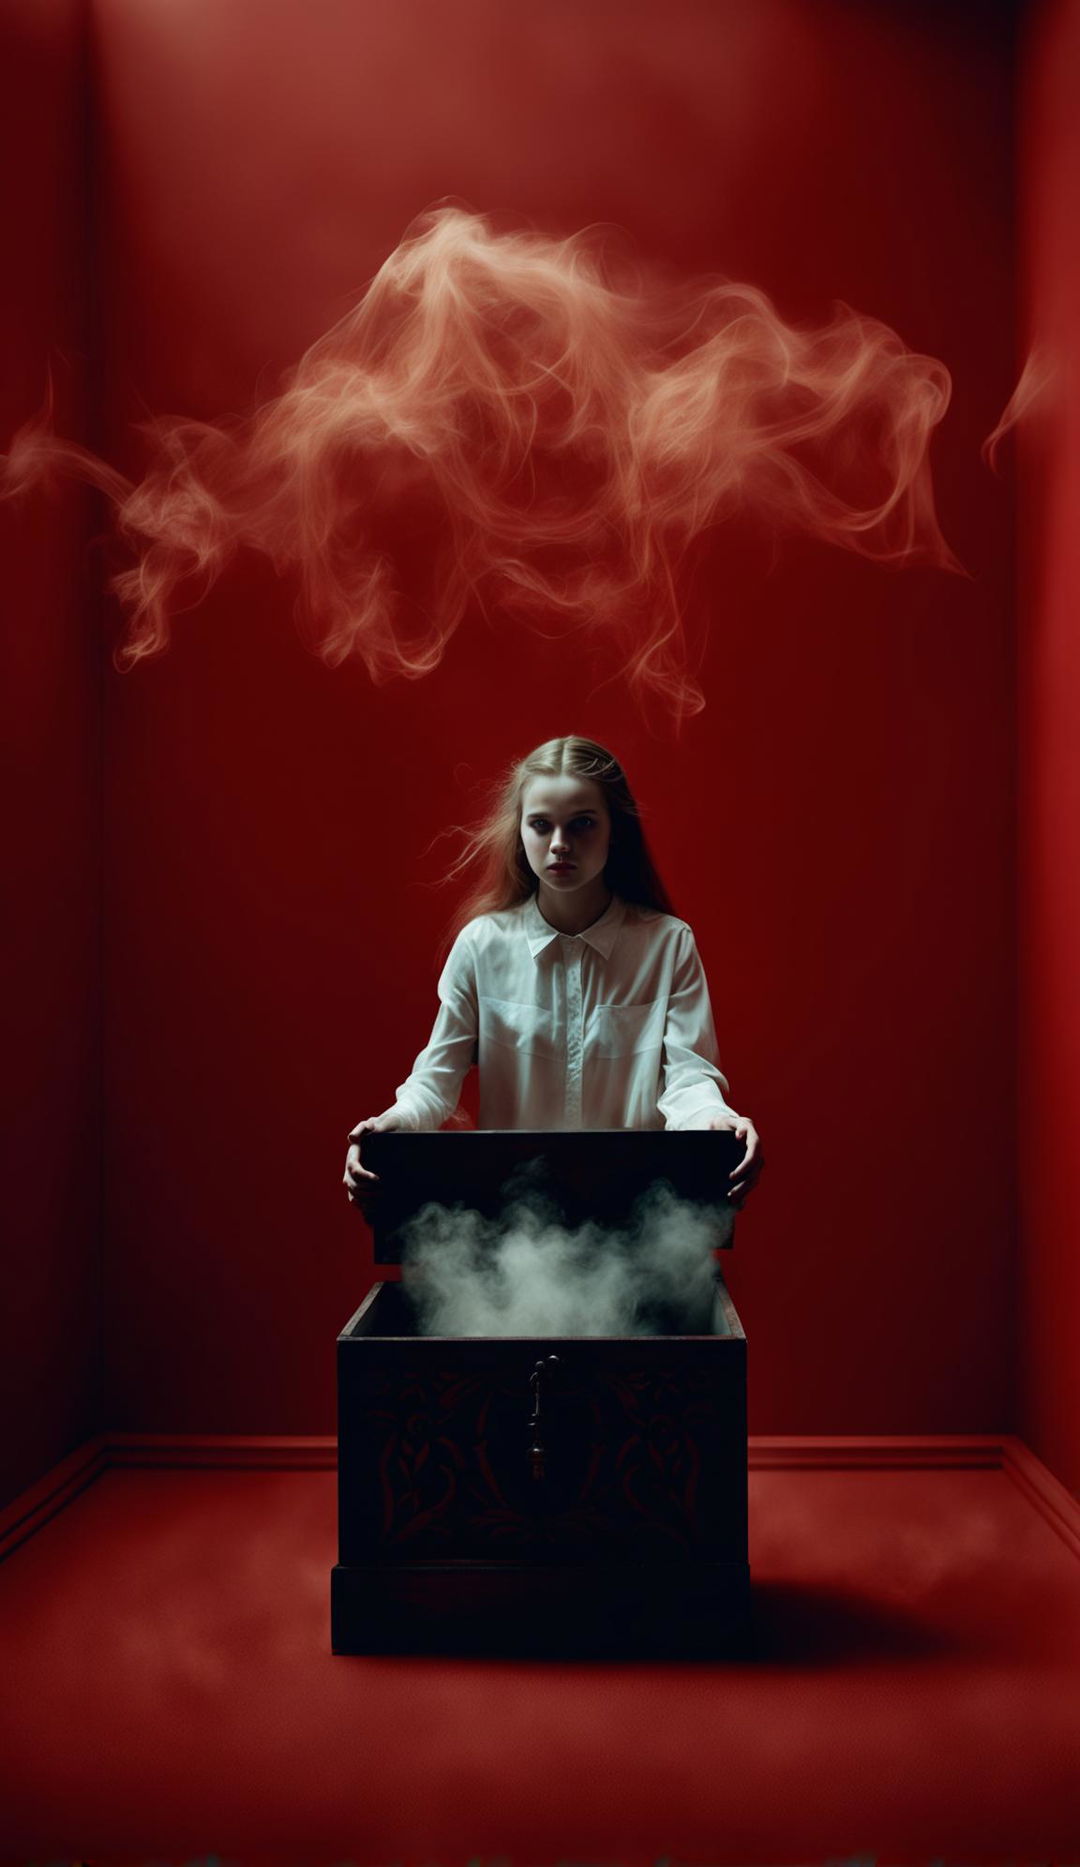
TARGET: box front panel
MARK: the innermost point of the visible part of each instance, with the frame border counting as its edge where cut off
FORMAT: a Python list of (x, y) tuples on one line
[(638, 1452)]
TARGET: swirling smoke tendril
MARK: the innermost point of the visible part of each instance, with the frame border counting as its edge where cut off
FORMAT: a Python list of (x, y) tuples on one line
[(566, 430)]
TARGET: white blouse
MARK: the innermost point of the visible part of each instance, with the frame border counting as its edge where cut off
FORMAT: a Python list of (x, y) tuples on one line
[(608, 1028)]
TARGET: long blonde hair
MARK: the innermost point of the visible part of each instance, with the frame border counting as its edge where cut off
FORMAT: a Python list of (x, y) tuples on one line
[(495, 853)]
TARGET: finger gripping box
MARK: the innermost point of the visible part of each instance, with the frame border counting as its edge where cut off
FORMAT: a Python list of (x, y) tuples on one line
[(578, 1490)]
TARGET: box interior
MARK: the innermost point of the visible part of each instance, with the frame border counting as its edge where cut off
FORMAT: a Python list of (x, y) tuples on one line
[(389, 1312)]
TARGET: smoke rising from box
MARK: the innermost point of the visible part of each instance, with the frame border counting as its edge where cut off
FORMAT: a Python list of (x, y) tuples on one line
[(526, 1273)]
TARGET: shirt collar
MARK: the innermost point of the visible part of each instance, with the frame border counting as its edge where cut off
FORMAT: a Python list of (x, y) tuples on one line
[(601, 935)]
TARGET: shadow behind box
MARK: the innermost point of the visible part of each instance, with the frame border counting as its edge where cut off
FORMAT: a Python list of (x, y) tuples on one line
[(628, 1533)]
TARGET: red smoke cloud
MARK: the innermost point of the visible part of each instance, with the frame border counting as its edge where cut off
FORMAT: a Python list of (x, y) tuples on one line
[(559, 431), (1037, 391)]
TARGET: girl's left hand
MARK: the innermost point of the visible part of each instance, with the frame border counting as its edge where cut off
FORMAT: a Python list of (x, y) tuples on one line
[(745, 1176)]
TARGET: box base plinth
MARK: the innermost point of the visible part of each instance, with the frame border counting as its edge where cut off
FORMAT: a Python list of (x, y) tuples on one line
[(642, 1610)]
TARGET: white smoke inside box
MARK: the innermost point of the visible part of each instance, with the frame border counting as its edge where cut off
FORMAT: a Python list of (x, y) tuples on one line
[(526, 1273)]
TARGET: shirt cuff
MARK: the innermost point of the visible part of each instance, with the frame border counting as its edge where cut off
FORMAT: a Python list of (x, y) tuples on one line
[(405, 1116), (688, 1118)]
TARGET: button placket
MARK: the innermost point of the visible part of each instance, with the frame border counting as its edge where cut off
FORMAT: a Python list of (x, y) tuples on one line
[(574, 1033)]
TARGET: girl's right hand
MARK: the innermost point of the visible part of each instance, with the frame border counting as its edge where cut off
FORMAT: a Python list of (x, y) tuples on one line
[(360, 1183)]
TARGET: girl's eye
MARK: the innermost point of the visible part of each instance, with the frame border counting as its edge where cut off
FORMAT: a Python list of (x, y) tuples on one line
[(540, 823)]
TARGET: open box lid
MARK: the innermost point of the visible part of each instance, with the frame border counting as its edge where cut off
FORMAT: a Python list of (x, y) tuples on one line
[(586, 1174)]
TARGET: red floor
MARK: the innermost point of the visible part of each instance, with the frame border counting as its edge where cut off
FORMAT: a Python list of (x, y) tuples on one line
[(169, 1693)]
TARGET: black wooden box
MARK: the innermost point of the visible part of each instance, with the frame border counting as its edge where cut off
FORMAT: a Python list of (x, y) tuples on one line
[(583, 1493)]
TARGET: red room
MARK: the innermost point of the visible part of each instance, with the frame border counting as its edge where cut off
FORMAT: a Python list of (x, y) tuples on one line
[(231, 881)]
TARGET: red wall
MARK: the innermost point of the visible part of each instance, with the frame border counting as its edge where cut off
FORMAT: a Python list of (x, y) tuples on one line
[(50, 1389), (838, 825), (1050, 762)]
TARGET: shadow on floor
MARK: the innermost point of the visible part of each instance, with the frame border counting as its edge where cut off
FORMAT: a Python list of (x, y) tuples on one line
[(794, 1624)]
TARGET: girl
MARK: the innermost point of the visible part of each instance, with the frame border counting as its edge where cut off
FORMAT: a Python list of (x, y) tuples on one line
[(569, 980)]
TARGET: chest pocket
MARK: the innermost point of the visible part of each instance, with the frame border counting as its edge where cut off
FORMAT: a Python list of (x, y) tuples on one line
[(516, 1026), (621, 1030)]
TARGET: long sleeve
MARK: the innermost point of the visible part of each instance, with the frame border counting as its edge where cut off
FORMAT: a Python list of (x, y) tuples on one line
[(693, 1085), (429, 1094)]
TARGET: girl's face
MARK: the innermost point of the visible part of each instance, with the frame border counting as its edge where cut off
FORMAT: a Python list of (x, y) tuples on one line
[(566, 831)]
